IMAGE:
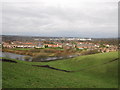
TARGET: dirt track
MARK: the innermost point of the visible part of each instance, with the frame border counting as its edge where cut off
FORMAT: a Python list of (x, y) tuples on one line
[(47, 66), (6, 60)]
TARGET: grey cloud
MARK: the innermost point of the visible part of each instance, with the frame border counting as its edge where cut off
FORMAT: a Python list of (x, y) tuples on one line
[(42, 19)]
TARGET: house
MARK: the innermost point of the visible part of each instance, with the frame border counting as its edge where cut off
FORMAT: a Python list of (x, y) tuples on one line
[(53, 45), (19, 45), (80, 47), (39, 45)]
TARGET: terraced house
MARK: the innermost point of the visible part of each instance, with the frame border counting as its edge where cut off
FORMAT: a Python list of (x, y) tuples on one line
[(84, 45), (22, 45)]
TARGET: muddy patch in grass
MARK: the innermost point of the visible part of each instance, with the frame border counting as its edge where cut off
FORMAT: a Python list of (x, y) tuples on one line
[(7, 60), (47, 66)]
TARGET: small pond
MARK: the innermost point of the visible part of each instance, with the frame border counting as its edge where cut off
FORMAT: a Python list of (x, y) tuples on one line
[(22, 57)]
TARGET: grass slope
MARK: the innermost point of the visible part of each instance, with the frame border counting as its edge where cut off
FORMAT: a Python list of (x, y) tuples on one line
[(91, 72)]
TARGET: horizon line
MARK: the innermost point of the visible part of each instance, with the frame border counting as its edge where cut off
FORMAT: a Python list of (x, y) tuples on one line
[(55, 36)]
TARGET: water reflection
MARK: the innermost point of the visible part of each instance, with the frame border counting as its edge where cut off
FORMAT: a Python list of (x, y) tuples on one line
[(29, 58), (14, 56)]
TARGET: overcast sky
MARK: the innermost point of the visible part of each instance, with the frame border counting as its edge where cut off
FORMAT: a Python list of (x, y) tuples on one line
[(64, 18)]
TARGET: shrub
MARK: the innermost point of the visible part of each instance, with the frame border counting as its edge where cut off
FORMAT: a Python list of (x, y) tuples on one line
[(89, 52), (27, 58), (39, 57), (35, 50), (49, 50)]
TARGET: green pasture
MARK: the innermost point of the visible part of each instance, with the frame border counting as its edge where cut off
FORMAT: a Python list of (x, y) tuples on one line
[(90, 71)]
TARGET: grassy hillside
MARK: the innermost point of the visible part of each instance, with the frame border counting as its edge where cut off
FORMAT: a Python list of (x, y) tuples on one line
[(91, 71)]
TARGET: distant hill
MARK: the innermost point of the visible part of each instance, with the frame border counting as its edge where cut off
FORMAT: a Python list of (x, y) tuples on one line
[(31, 38)]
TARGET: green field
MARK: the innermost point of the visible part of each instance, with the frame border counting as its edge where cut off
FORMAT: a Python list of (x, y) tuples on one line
[(90, 71), (22, 48)]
